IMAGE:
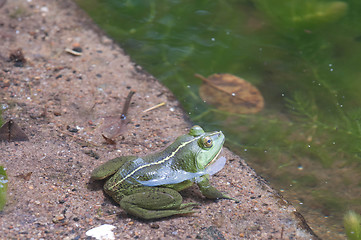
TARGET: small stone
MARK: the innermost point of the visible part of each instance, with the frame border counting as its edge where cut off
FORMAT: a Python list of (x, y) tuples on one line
[(137, 150), (75, 45), (72, 129), (91, 153), (77, 49), (102, 232), (154, 226), (58, 218), (5, 83)]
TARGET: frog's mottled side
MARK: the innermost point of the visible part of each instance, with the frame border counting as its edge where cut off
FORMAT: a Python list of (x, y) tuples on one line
[(134, 181)]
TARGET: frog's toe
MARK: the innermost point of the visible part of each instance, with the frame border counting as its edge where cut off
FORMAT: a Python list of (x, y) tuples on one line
[(156, 214), (231, 198), (191, 205), (186, 211)]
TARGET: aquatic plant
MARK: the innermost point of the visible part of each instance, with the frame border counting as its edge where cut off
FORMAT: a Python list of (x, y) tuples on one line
[(3, 187), (352, 224), (298, 15)]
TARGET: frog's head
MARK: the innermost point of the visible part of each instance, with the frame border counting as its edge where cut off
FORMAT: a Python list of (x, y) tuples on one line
[(209, 146)]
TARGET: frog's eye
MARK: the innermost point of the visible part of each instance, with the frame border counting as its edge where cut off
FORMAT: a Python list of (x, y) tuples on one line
[(207, 142), (196, 131)]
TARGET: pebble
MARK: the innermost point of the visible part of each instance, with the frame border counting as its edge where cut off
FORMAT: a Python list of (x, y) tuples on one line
[(58, 218)]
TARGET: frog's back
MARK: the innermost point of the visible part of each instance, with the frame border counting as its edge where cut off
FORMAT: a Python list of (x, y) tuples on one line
[(154, 166)]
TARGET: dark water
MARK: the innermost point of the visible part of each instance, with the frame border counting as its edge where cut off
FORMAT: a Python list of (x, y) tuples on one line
[(303, 56)]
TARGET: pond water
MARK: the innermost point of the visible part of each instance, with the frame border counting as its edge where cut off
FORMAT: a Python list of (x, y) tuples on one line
[(302, 55)]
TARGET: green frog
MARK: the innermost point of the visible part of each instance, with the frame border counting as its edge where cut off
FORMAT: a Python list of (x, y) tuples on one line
[(148, 187)]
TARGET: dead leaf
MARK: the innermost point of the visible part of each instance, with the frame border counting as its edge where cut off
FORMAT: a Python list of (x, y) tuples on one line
[(17, 57), (230, 93), (109, 140), (26, 176), (11, 132), (114, 126)]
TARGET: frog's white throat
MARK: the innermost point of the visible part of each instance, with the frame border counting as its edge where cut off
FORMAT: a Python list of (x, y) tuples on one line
[(214, 158)]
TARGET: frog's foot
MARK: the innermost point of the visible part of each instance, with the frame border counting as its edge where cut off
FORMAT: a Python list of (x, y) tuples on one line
[(188, 205), (188, 209), (225, 196), (230, 198), (152, 203), (154, 214), (211, 192)]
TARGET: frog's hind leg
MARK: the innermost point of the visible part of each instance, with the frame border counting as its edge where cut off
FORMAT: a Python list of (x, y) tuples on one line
[(109, 168), (152, 203)]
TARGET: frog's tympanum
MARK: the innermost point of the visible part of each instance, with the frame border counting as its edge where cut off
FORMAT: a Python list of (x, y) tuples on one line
[(147, 187)]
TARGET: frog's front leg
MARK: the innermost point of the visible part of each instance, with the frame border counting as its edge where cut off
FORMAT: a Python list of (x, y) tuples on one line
[(154, 202), (209, 191)]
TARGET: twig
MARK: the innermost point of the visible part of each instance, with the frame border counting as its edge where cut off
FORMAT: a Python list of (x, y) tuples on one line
[(154, 107), (71, 51), (127, 104)]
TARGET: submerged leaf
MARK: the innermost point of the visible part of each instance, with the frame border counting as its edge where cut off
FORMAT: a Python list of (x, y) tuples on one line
[(231, 93), (3, 187)]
